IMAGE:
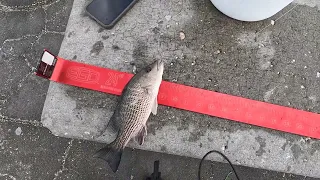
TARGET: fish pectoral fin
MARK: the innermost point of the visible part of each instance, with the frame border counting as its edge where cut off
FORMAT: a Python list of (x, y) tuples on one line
[(147, 89), (141, 135), (155, 107)]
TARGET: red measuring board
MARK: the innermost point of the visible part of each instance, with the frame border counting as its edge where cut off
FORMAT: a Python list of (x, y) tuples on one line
[(192, 99)]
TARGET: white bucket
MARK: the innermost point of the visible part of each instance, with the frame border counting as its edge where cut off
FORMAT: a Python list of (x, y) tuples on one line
[(250, 10)]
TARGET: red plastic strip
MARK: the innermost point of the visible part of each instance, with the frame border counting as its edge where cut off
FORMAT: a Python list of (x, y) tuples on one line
[(193, 99)]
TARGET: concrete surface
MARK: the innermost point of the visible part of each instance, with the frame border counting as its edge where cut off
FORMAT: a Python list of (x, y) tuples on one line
[(36, 154), (273, 63), (30, 151), (26, 28)]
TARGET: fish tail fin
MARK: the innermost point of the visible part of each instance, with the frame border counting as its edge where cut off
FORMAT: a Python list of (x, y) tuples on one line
[(110, 155)]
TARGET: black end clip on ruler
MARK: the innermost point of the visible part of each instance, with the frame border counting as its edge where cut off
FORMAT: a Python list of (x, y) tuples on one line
[(156, 175)]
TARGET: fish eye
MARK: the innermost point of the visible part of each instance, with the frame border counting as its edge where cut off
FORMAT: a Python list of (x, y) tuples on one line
[(148, 69)]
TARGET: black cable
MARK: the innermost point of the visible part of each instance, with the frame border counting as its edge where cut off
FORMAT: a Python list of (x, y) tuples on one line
[(224, 156)]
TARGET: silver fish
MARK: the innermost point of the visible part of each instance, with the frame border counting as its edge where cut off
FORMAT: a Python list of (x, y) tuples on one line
[(137, 102)]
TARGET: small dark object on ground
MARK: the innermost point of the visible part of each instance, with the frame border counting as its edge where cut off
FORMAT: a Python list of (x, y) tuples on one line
[(156, 175), (115, 47), (224, 156)]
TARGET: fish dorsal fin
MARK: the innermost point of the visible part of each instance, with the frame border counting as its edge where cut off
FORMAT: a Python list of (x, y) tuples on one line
[(154, 107)]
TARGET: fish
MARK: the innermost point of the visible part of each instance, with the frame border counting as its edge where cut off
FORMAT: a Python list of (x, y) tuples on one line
[(137, 101)]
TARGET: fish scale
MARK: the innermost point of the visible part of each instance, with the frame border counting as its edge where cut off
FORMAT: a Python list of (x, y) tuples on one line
[(136, 110)]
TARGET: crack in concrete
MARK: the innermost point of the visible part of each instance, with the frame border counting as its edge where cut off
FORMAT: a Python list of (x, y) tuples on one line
[(29, 65), (25, 59), (35, 123), (44, 32), (46, 21), (45, 18), (4, 8), (8, 175), (45, 6), (20, 38), (38, 36), (34, 6), (23, 80), (64, 158)]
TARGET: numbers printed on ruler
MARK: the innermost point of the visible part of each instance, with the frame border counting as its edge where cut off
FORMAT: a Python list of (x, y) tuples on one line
[(211, 107), (287, 124), (185, 102), (175, 99), (299, 126), (313, 129), (199, 104)]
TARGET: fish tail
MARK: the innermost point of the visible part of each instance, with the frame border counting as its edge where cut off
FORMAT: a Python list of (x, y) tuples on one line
[(110, 155)]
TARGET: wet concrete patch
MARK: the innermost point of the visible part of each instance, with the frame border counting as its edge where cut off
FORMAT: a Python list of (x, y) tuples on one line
[(315, 147), (97, 47), (296, 150), (262, 143)]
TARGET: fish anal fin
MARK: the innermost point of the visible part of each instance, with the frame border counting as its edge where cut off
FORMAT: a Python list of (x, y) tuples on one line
[(141, 135)]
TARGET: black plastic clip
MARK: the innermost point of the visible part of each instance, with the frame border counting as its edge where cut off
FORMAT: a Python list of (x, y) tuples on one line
[(156, 175)]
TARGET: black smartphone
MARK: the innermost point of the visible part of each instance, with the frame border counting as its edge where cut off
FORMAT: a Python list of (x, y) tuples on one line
[(108, 12)]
